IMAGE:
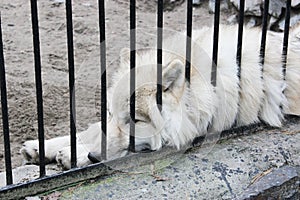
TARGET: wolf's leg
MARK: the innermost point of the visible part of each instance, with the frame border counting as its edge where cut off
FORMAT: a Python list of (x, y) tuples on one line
[(87, 141), (30, 149), (63, 156)]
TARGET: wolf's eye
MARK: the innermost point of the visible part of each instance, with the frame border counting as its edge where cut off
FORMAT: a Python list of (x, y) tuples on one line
[(137, 120), (141, 119), (166, 89)]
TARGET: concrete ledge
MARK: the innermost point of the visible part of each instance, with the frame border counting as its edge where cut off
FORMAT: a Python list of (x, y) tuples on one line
[(55, 179), (223, 170)]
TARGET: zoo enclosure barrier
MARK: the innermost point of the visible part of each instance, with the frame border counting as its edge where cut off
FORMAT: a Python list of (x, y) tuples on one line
[(42, 183)]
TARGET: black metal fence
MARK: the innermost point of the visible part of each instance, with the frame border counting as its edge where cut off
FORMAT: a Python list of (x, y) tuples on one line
[(19, 190)]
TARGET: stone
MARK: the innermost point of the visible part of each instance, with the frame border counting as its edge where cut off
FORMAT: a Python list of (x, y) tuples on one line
[(151, 6), (170, 4), (252, 22), (59, 1), (296, 4), (272, 21), (196, 2), (278, 25), (275, 7), (224, 5), (233, 19), (280, 183), (252, 7)]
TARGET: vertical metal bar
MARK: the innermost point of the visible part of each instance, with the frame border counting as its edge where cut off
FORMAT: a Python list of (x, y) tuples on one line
[(103, 78), (215, 43), (264, 32), (159, 52), (9, 178), (189, 40), (71, 83), (132, 74), (240, 37), (286, 37), (39, 90)]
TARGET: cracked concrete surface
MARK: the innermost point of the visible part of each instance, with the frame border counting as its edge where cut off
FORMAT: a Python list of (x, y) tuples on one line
[(261, 163), (230, 170)]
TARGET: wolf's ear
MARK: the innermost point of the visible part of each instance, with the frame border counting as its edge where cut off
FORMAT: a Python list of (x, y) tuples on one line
[(173, 76), (125, 55)]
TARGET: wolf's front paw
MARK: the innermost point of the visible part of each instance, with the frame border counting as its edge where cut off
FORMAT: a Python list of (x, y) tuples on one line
[(30, 152), (63, 158), (83, 160)]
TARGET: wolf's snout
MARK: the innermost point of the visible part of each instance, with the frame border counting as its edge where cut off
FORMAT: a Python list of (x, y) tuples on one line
[(95, 157)]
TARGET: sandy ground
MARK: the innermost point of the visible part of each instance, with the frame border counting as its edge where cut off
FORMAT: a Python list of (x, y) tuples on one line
[(17, 36)]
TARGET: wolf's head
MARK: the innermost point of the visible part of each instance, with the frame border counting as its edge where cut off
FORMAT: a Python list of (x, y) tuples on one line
[(149, 121), (176, 124)]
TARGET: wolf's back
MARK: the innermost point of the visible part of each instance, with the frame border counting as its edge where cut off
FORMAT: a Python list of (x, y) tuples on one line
[(261, 92)]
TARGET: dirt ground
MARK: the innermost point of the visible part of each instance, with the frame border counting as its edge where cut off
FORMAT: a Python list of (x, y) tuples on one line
[(18, 50)]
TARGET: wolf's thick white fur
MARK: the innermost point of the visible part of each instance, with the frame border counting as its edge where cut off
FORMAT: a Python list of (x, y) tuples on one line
[(191, 110)]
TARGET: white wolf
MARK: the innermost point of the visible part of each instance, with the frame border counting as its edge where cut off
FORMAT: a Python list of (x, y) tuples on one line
[(195, 109)]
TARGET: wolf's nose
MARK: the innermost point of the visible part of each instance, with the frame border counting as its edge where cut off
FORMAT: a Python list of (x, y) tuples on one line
[(95, 157)]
